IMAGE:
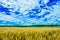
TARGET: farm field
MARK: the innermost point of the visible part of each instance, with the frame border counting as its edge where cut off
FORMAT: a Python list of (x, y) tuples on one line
[(29, 33)]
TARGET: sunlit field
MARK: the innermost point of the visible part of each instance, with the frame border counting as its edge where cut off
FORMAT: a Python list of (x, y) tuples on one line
[(18, 16), (29, 33)]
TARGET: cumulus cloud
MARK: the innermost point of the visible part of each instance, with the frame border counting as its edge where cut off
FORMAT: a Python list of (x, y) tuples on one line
[(29, 12)]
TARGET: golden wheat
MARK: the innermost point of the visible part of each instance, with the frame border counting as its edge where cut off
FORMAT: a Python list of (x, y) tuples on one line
[(29, 33)]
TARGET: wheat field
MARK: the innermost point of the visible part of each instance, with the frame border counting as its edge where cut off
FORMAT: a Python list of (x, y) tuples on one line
[(18, 33)]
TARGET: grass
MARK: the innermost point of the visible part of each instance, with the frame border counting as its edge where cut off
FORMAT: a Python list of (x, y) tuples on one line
[(28, 33), (32, 26)]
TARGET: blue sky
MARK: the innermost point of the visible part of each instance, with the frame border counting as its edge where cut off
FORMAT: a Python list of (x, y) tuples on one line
[(29, 12)]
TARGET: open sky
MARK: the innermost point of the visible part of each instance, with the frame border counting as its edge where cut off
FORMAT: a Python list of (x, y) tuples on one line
[(29, 12)]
